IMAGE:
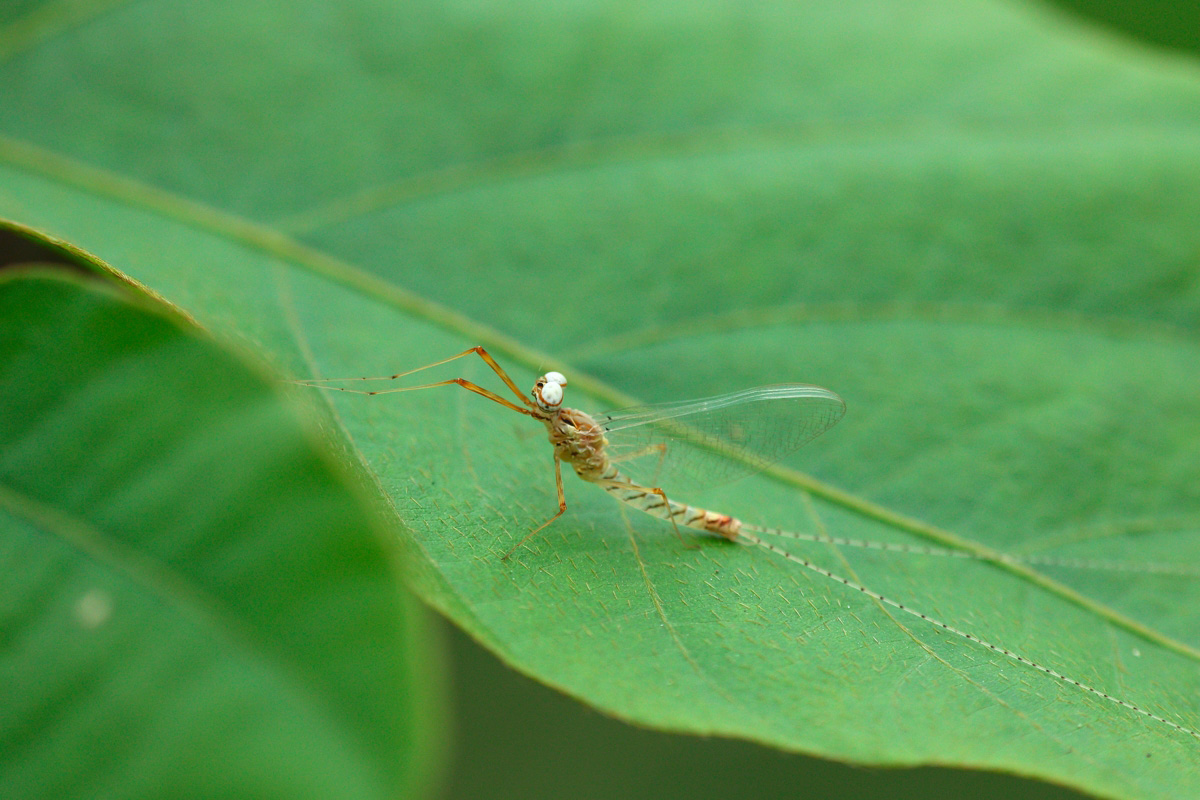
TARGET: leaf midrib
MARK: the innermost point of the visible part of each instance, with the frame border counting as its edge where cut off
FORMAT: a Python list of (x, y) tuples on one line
[(53, 166)]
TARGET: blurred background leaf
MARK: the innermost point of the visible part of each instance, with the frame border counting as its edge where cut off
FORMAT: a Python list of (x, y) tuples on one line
[(1166, 23), (196, 601), (974, 220)]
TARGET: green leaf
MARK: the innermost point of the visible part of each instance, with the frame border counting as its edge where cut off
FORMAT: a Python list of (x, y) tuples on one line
[(981, 234), (1169, 23), (196, 602)]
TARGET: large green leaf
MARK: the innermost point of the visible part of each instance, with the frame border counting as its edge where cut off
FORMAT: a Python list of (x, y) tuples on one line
[(195, 601), (972, 220)]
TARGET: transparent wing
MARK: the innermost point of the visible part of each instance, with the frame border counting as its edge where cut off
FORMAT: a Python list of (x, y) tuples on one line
[(698, 443)]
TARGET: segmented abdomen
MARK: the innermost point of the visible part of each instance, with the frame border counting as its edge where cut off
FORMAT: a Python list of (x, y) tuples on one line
[(654, 504)]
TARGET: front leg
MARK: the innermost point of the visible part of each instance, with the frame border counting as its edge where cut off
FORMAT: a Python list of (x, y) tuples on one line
[(562, 507)]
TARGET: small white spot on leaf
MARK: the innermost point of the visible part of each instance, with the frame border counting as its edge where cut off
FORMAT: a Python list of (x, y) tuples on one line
[(94, 608)]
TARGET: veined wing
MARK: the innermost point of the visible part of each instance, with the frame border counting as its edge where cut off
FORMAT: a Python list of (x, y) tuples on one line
[(698, 443)]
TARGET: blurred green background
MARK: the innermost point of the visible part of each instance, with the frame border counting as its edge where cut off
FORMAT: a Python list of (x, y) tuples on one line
[(1163, 23)]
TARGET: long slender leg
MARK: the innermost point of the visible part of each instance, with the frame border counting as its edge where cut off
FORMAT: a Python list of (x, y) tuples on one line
[(662, 495), (466, 384), (562, 507), (487, 358), (660, 448)]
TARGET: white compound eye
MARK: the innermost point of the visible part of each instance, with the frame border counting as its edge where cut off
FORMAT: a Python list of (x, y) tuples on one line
[(555, 377), (551, 394)]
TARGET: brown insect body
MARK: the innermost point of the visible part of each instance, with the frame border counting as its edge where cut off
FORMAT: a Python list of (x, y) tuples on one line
[(578, 440)]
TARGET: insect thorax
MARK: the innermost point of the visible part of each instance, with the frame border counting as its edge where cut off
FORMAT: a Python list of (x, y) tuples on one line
[(578, 440)]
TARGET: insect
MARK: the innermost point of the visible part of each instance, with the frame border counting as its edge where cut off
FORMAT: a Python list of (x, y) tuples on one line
[(726, 435), (716, 438)]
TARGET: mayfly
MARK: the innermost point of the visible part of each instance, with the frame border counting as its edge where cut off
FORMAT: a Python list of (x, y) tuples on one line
[(745, 431), (721, 437)]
